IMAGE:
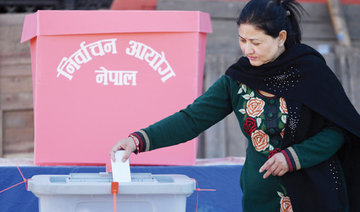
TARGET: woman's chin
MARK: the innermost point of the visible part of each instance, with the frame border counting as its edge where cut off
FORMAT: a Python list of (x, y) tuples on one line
[(255, 63)]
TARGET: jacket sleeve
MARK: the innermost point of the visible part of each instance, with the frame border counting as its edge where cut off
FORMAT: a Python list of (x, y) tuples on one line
[(314, 150), (208, 109)]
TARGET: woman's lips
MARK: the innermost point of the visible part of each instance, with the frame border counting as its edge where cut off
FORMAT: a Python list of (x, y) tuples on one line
[(251, 58)]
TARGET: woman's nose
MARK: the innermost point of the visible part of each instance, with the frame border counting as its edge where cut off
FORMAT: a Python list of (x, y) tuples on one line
[(248, 49)]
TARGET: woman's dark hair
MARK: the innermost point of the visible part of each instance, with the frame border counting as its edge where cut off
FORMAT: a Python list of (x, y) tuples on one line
[(272, 16)]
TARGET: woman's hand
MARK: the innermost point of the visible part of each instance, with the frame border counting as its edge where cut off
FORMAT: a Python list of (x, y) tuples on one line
[(276, 165), (126, 144)]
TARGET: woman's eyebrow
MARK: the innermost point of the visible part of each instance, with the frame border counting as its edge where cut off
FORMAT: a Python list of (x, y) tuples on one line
[(251, 39)]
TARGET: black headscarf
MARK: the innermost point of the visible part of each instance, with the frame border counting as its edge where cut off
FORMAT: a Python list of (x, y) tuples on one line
[(314, 98)]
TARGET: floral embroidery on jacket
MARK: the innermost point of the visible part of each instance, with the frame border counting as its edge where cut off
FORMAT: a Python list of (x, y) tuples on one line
[(249, 125), (285, 203), (263, 122), (283, 109), (273, 152), (282, 133), (255, 107), (254, 124), (260, 140)]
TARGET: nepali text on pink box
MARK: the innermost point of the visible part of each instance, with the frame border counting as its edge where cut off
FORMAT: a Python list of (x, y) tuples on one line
[(100, 75)]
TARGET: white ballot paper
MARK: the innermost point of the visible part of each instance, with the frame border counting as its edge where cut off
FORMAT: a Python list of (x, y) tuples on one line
[(120, 170)]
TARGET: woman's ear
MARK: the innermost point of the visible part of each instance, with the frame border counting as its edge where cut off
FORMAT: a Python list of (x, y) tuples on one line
[(282, 37)]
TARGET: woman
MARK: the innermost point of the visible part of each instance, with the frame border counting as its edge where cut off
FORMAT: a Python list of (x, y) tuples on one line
[(283, 95)]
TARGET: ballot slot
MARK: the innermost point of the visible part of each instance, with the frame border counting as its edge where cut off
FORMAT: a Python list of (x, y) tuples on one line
[(107, 177)]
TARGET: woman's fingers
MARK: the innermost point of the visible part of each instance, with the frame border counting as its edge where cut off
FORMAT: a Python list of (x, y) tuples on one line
[(277, 171), (126, 144), (282, 172), (270, 171), (127, 154), (115, 148), (267, 165), (276, 166)]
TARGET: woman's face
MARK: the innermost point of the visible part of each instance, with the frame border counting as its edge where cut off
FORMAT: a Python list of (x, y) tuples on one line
[(259, 47)]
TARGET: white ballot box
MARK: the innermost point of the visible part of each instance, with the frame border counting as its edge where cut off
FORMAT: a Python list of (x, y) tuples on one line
[(91, 192)]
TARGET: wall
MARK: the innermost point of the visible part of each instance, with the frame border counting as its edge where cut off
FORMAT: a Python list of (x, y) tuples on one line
[(16, 114), (221, 140)]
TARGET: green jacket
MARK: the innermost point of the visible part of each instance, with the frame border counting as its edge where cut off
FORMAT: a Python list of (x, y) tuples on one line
[(262, 120)]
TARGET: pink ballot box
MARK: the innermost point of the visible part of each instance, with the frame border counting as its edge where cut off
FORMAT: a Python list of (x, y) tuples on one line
[(100, 75)]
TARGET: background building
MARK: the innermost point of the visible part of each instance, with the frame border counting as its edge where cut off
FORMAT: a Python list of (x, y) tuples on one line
[(222, 140)]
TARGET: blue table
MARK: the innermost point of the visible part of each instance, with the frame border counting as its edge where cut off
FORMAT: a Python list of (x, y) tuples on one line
[(224, 178)]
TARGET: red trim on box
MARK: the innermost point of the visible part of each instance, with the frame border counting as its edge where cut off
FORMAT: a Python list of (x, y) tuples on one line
[(134, 5)]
